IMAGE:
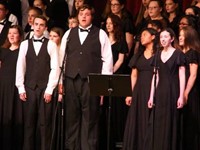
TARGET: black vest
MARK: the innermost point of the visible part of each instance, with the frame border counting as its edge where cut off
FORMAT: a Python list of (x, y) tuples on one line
[(37, 67), (86, 58)]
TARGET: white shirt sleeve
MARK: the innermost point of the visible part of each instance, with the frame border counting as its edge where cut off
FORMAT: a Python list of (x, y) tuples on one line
[(21, 67), (54, 66), (106, 53), (63, 46)]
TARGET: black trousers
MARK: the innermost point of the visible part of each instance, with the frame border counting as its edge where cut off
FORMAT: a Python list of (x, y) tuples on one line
[(38, 118), (81, 115)]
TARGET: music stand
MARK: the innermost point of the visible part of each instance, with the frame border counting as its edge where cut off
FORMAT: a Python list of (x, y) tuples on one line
[(109, 85)]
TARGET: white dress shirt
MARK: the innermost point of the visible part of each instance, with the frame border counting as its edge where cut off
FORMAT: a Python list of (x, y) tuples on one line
[(54, 65), (106, 52)]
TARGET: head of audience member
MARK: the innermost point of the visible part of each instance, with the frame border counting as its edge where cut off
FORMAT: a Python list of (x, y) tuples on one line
[(193, 10), (168, 39), (56, 34), (148, 39), (155, 9), (85, 15), (3, 10), (188, 20), (72, 21), (155, 24), (39, 25), (32, 13), (14, 37), (114, 27), (189, 39)]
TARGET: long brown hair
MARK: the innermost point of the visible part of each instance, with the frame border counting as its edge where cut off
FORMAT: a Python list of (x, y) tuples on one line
[(117, 27), (191, 38)]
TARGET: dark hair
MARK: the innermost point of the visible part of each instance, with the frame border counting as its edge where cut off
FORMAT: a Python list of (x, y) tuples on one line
[(195, 9), (178, 10), (5, 4), (156, 23), (41, 17), (7, 43), (175, 43), (36, 9), (117, 27), (191, 38), (86, 6), (155, 41), (192, 20), (160, 3)]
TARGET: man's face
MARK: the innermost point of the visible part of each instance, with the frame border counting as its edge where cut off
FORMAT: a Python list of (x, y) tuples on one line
[(85, 18), (39, 26)]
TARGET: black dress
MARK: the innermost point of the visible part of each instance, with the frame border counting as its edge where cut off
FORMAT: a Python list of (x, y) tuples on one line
[(138, 115), (191, 114), (10, 105), (164, 127)]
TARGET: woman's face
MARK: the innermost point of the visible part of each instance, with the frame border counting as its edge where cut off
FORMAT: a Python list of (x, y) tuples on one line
[(181, 38), (183, 23), (116, 7), (54, 37), (154, 9), (109, 25), (13, 36), (165, 39), (146, 38), (170, 6)]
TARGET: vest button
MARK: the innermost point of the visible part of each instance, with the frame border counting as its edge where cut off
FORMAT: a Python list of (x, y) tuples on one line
[(81, 53)]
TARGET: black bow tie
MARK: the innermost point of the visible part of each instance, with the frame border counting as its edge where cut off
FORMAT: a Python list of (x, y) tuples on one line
[(84, 30), (38, 40)]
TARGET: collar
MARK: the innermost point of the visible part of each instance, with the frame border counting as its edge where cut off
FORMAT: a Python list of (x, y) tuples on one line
[(85, 29)]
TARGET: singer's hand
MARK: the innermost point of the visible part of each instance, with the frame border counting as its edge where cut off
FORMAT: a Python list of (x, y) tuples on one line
[(47, 97), (128, 100), (23, 96), (150, 103)]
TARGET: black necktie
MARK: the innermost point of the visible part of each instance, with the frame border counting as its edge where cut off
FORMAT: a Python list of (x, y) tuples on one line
[(38, 40), (84, 30)]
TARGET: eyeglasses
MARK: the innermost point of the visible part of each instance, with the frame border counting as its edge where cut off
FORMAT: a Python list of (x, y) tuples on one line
[(114, 5)]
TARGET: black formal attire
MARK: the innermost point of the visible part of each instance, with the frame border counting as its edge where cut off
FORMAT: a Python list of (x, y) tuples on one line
[(39, 78), (165, 124), (10, 105), (81, 109), (138, 114), (191, 113)]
